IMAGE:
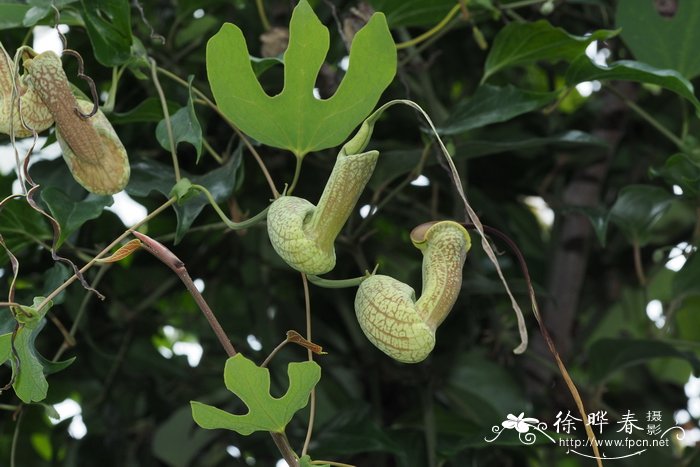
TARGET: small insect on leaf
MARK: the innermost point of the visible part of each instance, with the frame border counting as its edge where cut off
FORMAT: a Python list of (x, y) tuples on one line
[(123, 251)]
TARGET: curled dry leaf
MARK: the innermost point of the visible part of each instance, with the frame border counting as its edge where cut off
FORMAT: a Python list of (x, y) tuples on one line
[(91, 148)]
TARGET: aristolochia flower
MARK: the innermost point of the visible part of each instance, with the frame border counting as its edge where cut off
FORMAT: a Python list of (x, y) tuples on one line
[(520, 423)]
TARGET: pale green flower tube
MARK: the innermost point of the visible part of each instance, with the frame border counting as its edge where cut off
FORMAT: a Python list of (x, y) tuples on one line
[(387, 309)]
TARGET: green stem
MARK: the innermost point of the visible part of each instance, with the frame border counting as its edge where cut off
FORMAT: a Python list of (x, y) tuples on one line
[(295, 180), (229, 223), (649, 118), (312, 399), (521, 4), (263, 16), (168, 123), (15, 439), (337, 283), (431, 32), (638, 267)]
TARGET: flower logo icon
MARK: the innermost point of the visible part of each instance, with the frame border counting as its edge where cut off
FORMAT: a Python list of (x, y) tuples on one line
[(521, 423)]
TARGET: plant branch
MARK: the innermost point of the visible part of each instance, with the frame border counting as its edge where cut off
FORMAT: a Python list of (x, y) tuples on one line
[(168, 258), (432, 31)]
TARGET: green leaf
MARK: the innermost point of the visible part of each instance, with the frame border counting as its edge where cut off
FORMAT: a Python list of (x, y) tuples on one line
[(20, 225), (184, 124), (149, 110), (403, 13), (29, 383), (662, 42), (108, 24), (682, 170), (638, 209), (177, 442), (70, 214), (493, 104), (607, 356), (584, 69), (294, 119), (12, 14), (149, 175), (686, 282), (5, 347), (523, 43), (252, 384)]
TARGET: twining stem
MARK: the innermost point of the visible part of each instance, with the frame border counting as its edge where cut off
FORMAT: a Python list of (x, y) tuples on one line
[(105, 251), (285, 448), (210, 104), (15, 439), (312, 401), (274, 352), (166, 114)]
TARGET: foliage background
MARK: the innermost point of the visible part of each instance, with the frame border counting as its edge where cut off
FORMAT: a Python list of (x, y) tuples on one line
[(579, 154)]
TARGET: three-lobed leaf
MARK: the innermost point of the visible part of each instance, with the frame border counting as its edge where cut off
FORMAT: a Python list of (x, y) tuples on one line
[(294, 119), (251, 384)]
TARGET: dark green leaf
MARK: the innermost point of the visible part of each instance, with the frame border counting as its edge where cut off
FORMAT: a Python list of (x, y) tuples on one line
[(251, 383), (584, 69), (402, 13), (638, 209), (149, 175), (35, 14), (682, 170), (184, 124), (150, 110), (108, 24), (261, 65), (29, 383), (12, 14), (70, 214), (177, 441), (607, 356), (20, 225), (493, 104), (659, 41), (294, 119), (523, 43), (395, 163), (687, 280)]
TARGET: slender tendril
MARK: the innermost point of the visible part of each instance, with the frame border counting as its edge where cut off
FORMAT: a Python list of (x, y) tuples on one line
[(224, 218), (432, 31), (166, 114)]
